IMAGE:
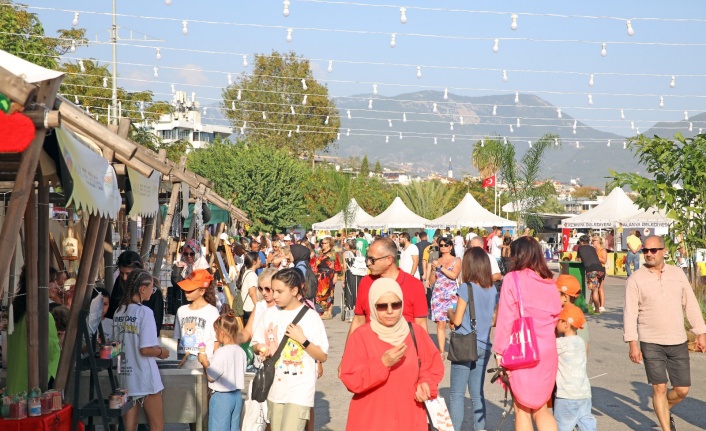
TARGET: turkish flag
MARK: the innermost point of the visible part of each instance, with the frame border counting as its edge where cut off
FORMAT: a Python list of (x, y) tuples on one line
[(565, 234), (489, 182)]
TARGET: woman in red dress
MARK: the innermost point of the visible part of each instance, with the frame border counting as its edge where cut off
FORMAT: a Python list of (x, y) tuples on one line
[(326, 267), (380, 364)]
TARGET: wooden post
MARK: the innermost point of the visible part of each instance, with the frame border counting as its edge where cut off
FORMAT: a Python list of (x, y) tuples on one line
[(95, 263), (16, 88), (31, 285), (166, 226), (66, 360), (24, 182), (43, 279), (146, 238)]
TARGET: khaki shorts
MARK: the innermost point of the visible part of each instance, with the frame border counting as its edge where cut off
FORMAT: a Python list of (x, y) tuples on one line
[(287, 417)]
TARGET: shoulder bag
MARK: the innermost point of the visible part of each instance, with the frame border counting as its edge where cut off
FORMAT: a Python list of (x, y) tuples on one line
[(464, 348), (522, 351), (262, 382)]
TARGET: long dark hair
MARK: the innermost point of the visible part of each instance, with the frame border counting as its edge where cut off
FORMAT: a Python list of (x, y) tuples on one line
[(446, 240), (476, 267), (526, 253), (19, 302), (209, 293), (137, 278), (249, 260)]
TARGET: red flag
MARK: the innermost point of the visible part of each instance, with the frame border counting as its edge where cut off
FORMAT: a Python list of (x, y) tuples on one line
[(489, 182), (565, 234)]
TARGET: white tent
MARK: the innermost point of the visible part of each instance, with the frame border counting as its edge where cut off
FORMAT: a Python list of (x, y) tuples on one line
[(615, 207), (652, 217), (357, 215), (397, 215), (469, 213)]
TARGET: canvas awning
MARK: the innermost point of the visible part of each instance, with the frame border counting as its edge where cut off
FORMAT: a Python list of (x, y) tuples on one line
[(356, 216), (469, 213), (616, 206), (398, 216), (652, 217)]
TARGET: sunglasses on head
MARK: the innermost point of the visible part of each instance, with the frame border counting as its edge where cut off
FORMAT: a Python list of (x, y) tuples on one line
[(189, 254), (652, 250), (384, 306), (264, 289)]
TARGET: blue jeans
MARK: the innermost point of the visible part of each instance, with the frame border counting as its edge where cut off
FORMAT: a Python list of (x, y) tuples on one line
[(569, 413), (633, 258), (224, 411), (472, 376)]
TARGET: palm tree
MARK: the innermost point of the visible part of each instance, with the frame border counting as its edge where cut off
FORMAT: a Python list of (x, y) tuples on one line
[(487, 156), (429, 199)]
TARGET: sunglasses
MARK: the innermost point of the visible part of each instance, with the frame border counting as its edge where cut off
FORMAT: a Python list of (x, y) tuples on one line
[(264, 289), (384, 306), (444, 245), (652, 250), (154, 288), (372, 260), (189, 254)]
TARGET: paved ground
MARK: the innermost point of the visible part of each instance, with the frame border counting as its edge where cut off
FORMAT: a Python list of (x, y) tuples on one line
[(621, 396)]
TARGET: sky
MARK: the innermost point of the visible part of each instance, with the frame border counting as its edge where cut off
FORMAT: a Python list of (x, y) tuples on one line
[(552, 53)]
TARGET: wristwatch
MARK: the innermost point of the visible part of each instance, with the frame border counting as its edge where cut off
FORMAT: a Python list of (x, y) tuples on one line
[(306, 343)]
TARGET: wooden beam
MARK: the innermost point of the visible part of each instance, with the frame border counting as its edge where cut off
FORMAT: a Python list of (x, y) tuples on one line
[(44, 119), (17, 89), (24, 182), (167, 223), (95, 262), (147, 230), (32, 294), (43, 279), (109, 269)]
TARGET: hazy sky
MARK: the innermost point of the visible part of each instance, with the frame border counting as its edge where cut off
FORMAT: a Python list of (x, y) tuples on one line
[(550, 56)]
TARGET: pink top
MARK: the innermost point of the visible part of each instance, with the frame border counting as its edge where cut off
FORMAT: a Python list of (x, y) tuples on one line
[(654, 306), (532, 387)]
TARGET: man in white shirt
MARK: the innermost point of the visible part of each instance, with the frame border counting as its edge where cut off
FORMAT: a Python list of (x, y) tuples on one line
[(496, 243), (469, 236), (459, 244), (367, 236), (409, 256)]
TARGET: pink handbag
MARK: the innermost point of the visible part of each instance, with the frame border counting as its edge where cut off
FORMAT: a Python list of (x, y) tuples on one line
[(522, 351)]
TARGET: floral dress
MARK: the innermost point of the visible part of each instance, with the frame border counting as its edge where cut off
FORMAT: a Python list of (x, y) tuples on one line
[(443, 295), (325, 267)]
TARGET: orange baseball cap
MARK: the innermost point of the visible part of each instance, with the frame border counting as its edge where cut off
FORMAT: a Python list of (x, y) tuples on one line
[(199, 279), (568, 284), (573, 316)]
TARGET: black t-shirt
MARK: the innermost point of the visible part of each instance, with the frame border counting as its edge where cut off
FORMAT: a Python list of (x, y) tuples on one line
[(589, 257)]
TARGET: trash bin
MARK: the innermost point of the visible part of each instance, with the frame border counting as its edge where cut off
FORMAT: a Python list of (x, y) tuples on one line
[(577, 270)]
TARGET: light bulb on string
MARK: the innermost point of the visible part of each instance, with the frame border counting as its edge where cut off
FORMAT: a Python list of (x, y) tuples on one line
[(558, 112), (628, 24), (230, 79), (453, 138), (393, 43), (446, 94), (637, 130), (205, 108), (75, 20), (304, 100), (338, 136), (326, 120), (232, 105), (608, 144), (504, 75), (496, 45), (245, 60), (289, 34), (622, 114), (556, 142), (495, 109), (451, 125), (518, 123), (530, 143), (511, 129), (304, 87), (158, 55), (403, 15), (434, 108), (387, 139), (632, 125), (691, 126), (370, 104), (285, 12), (419, 72), (460, 119), (76, 100), (700, 130), (505, 140), (625, 145), (400, 136), (375, 89), (291, 109), (389, 123), (264, 115), (590, 99), (289, 135), (81, 66), (185, 27), (105, 82), (73, 46), (348, 132), (661, 101), (686, 115), (604, 51), (404, 117), (348, 113), (577, 144), (155, 72), (574, 128), (590, 81), (330, 66), (482, 142), (673, 82), (517, 97), (513, 23), (435, 142), (297, 131)]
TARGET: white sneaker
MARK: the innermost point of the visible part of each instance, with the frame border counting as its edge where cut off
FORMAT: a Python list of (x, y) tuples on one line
[(601, 309)]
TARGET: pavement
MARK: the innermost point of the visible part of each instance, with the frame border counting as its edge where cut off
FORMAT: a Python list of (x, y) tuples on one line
[(622, 399)]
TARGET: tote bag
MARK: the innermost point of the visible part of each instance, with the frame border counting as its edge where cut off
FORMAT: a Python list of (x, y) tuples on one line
[(522, 351), (464, 348)]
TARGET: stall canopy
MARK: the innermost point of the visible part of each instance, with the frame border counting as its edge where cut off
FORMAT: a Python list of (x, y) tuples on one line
[(356, 216), (396, 216), (469, 213), (652, 217), (616, 206)]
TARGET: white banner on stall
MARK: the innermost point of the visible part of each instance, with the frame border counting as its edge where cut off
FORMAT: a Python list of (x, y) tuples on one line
[(184, 200), (95, 185), (145, 194)]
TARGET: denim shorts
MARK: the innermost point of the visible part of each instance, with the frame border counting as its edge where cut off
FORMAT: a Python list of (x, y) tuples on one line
[(569, 413)]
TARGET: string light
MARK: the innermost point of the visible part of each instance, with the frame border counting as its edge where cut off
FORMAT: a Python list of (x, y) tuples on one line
[(460, 119), (691, 126), (304, 87), (604, 51), (400, 136), (348, 113), (435, 141), (289, 34), (338, 136), (375, 89), (451, 125), (326, 120), (504, 75), (517, 97), (264, 115), (630, 29), (608, 144), (622, 114), (105, 82), (625, 145), (530, 143), (304, 100), (291, 109), (505, 140), (661, 101), (185, 27), (404, 117), (558, 112), (419, 72), (482, 142), (453, 138), (389, 123), (232, 105), (434, 109), (686, 115), (155, 72), (511, 129), (158, 55), (403, 15), (289, 135), (75, 20), (173, 89), (330, 66), (81, 66), (495, 109), (370, 104), (632, 125), (556, 142), (673, 82), (518, 122), (590, 81), (577, 144), (230, 80), (513, 24), (285, 12), (393, 43), (446, 94), (637, 130), (73, 46), (240, 95), (348, 132), (496, 45), (590, 99), (574, 127), (297, 131), (245, 60)]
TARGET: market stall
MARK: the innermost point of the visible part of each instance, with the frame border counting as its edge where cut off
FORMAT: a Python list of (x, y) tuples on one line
[(351, 218), (396, 216), (469, 213)]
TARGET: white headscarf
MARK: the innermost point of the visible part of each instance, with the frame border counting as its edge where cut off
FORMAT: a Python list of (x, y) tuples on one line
[(397, 333)]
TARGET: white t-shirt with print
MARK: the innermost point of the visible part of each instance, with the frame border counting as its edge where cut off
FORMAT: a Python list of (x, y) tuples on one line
[(227, 369), (571, 377), (295, 371), (495, 243), (107, 325), (406, 261), (249, 280), (134, 327), (194, 330)]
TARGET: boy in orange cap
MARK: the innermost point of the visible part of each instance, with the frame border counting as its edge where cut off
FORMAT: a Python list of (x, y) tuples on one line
[(569, 289), (572, 405)]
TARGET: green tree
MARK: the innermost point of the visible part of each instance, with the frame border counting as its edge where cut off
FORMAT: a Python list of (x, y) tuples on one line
[(377, 169), (273, 90), (676, 183), (429, 199), (585, 192), (551, 205), (373, 194), (326, 192), (364, 167), (270, 193)]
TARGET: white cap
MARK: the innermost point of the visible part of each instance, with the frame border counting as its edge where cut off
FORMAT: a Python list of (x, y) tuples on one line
[(224, 237), (287, 237)]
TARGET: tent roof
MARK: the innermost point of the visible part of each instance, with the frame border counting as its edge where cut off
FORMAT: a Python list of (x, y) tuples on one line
[(651, 217), (616, 206), (338, 221), (397, 215), (469, 213)]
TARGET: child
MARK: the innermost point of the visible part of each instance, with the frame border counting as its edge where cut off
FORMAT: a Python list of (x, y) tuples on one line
[(292, 393), (572, 405), (569, 289), (226, 375), (193, 326)]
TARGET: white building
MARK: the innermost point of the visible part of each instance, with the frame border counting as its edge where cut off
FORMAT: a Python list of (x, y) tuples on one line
[(185, 123)]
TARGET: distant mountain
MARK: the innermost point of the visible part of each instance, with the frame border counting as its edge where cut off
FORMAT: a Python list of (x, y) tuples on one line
[(667, 130), (590, 162)]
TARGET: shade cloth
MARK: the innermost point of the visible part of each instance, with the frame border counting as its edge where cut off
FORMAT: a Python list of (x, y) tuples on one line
[(615, 207), (356, 216), (145, 193), (397, 215), (469, 213)]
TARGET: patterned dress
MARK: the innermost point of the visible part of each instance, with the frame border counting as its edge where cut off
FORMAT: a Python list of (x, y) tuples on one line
[(325, 267), (443, 295)]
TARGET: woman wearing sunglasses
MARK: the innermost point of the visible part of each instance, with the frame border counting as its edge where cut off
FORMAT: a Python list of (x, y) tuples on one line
[(380, 364), (189, 261), (444, 272)]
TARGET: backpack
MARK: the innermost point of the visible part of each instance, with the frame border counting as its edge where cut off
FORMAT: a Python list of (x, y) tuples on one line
[(310, 280)]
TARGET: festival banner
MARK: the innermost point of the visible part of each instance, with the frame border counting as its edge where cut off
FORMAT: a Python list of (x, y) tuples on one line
[(145, 194)]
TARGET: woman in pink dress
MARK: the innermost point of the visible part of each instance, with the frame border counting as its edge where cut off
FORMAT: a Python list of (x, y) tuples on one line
[(531, 387)]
